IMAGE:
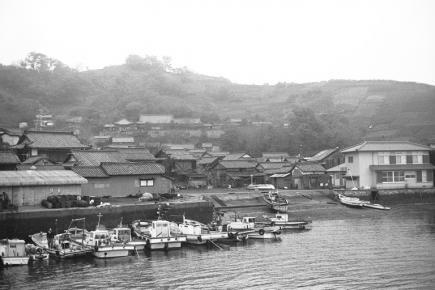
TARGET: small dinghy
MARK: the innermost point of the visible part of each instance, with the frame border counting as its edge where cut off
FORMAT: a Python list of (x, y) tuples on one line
[(351, 201), (376, 206)]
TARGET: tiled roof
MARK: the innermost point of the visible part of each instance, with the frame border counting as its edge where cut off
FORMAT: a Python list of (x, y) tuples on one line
[(90, 171), (275, 165), (275, 155), (35, 159), (310, 167), (322, 154), (386, 146), (123, 140), (237, 156), (40, 167), (206, 160), (95, 158), (43, 177), (338, 168), (47, 139), (136, 154), (232, 164), (132, 168), (8, 157)]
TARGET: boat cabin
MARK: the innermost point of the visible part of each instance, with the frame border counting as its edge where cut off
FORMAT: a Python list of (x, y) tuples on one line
[(160, 229), (280, 217), (121, 235), (12, 248), (99, 238)]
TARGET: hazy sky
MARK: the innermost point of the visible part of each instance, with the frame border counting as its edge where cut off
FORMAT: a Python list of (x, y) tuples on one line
[(245, 41)]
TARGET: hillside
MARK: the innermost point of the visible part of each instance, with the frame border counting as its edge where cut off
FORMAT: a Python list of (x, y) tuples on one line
[(374, 109)]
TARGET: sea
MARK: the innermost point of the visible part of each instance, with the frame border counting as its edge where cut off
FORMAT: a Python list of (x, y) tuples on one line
[(393, 249)]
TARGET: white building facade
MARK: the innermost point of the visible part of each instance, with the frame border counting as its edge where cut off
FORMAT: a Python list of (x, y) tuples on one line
[(388, 165)]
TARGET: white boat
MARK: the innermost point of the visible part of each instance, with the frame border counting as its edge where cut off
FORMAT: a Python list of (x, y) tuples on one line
[(351, 201), (63, 246), (198, 233), (122, 234), (13, 253), (101, 241), (158, 236), (282, 221)]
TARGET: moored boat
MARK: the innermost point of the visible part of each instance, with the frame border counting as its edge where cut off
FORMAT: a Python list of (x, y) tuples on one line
[(122, 234), (62, 245), (103, 245), (13, 253), (282, 221), (198, 233), (276, 202), (160, 237), (247, 226), (351, 201)]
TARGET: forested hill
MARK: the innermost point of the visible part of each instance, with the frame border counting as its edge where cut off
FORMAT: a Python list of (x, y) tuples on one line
[(343, 110)]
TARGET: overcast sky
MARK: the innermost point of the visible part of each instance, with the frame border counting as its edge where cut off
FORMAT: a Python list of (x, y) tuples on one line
[(245, 41)]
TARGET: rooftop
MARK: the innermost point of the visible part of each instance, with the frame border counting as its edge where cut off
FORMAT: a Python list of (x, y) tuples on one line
[(386, 146), (95, 157), (322, 154), (42, 177), (8, 157), (53, 139), (232, 164), (132, 168), (310, 167)]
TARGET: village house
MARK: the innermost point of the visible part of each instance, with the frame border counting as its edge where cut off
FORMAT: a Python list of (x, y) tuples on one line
[(308, 175), (8, 160), (337, 176), (93, 157), (328, 158), (40, 162), (30, 187), (55, 145), (235, 173), (238, 156), (388, 165), (124, 179), (278, 173)]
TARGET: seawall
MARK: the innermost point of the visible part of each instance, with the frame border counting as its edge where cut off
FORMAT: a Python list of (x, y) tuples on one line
[(20, 224)]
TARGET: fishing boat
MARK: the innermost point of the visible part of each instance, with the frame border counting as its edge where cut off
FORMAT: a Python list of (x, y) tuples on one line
[(282, 221), (62, 246), (13, 253), (198, 233), (122, 234), (104, 247), (247, 226), (159, 236), (276, 202)]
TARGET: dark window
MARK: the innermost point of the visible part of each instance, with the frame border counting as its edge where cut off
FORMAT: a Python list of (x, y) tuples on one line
[(393, 159), (350, 159), (408, 159), (419, 179), (429, 175), (426, 159)]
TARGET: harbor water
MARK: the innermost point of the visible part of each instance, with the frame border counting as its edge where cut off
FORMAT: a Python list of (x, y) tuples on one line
[(394, 249)]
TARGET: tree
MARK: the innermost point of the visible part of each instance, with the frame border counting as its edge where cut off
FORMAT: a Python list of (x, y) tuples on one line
[(41, 63)]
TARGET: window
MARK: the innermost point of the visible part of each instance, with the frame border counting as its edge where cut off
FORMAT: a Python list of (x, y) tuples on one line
[(392, 176), (383, 158), (146, 182), (350, 159)]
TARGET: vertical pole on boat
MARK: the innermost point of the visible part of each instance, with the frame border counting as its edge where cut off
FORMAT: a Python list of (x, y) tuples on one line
[(55, 226), (99, 215)]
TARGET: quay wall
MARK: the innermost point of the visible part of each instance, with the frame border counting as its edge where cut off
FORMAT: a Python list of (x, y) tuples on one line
[(415, 195), (20, 224)]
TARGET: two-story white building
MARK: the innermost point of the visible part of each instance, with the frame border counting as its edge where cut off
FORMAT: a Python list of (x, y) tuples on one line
[(387, 165)]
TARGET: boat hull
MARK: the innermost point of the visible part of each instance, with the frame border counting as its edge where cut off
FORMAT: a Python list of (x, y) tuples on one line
[(265, 236), (204, 238), (14, 261), (112, 252), (41, 241), (376, 206), (165, 243)]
